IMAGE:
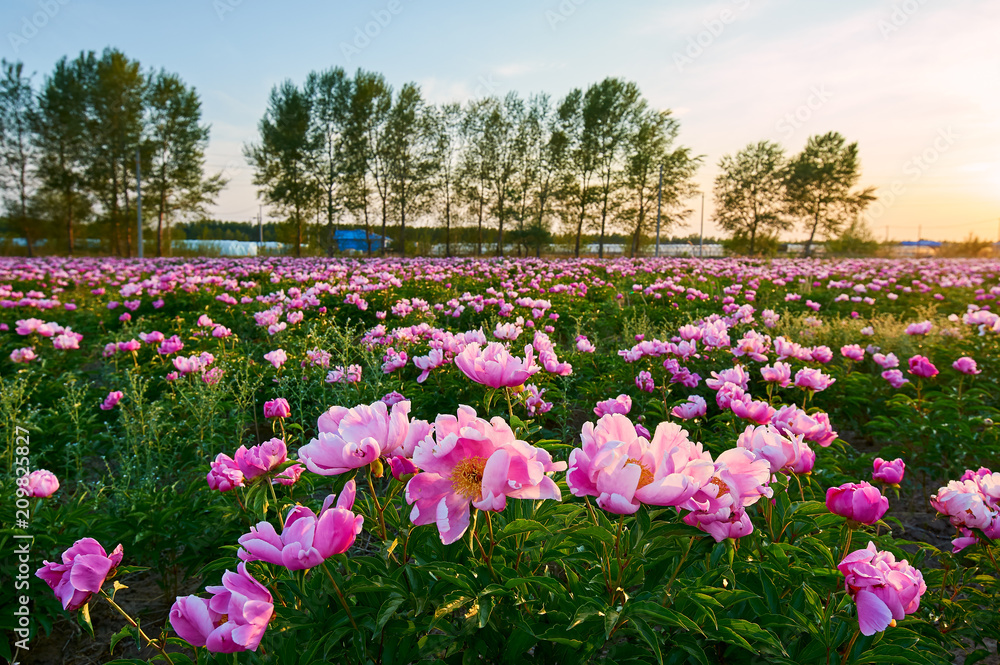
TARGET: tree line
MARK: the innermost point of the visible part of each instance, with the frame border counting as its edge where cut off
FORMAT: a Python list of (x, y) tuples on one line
[(353, 150), (759, 191), (71, 150)]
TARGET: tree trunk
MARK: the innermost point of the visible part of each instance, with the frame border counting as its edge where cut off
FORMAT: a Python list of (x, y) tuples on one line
[(69, 221), (753, 236), (604, 216), (402, 220), (479, 241), (383, 225), (500, 235), (579, 229), (447, 224)]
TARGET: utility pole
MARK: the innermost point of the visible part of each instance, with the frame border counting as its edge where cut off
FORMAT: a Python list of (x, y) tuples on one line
[(701, 234), (659, 200), (138, 206)]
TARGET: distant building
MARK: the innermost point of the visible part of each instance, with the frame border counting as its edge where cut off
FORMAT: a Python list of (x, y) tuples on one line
[(357, 241), (915, 248)]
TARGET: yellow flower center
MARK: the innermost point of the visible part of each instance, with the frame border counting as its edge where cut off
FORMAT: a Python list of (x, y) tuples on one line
[(645, 476), (467, 477), (718, 482)]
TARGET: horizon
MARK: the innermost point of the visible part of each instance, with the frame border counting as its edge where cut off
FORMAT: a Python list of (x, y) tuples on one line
[(900, 78)]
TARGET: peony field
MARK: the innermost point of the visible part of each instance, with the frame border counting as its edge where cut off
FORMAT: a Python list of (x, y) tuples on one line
[(462, 461)]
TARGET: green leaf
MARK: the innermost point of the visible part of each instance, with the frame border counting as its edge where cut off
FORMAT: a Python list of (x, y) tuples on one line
[(595, 532), (385, 613), (520, 526), (647, 634)]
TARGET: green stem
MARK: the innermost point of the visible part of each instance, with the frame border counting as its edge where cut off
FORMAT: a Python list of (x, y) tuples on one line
[(850, 646), (153, 643), (510, 406), (343, 601), (677, 570), (378, 506)]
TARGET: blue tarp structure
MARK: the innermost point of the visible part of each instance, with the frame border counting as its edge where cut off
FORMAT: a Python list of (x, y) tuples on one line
[(920, 243), (347, 239)]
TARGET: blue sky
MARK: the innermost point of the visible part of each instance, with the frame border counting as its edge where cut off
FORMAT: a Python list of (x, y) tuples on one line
[(915, 82)]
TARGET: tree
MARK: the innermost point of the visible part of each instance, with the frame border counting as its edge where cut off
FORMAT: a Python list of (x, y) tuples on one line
[(176, 145), (116, 93), (818, 186), (609, 110), (410, 151), (17, 158), (329, 95), (283, 161), (750, 192), (60, 137), (368, 148), (582, 160), (473, 171), (448, 145), (650, 151), (503, 145)]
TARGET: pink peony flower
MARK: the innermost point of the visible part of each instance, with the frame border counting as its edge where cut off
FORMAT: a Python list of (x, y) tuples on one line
[(173, 344), (886, 361), (966, 365), (477, 462), (276, 357), (780, 373), (624, 469), (233, 619), (289, 476), (111, 401), (753, 410), (645, 382), (813, 379), (493, 365), (922, 367), (883, 589), (621, 404), (39, 484), (85, 567), (24, 355), (888, 472), (853, 352), (858, 502), (277, 408), (306, 539), (584, 345), (353, 438), (895, 378), (262, 458), (782, 452), (921, 328), (225, 474), (695, 407)]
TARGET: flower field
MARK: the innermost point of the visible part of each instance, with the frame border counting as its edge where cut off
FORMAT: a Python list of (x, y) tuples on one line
[(500, 461)]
